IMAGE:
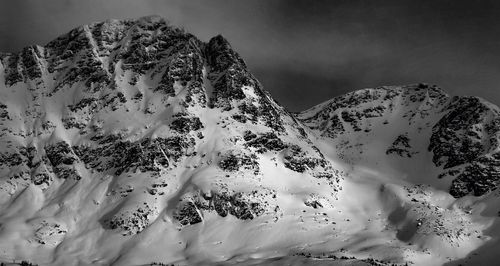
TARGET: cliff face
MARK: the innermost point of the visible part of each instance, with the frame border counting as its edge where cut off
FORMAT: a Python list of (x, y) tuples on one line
[(131, 142)]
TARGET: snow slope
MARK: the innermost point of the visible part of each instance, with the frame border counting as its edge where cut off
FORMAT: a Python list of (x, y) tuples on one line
[(433, 157), (134, 143)]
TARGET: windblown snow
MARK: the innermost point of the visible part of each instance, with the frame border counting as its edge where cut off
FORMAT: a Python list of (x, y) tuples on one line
[(131, 142)]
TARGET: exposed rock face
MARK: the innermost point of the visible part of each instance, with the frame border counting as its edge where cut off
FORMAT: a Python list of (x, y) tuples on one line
[(132, 104), (122, 131), (401, 146), (461, 133), (244, 206), (465, 140)]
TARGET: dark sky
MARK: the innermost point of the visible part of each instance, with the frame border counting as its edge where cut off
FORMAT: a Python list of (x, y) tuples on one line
[(304, 51)]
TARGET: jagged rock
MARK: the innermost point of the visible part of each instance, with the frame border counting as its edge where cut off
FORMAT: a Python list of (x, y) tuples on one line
[(147, 116), (459, 130), (42, 178), (188, 214), (298, 160), (265, 142), (243, 206), (60, 153), (235, 161), (185, 125), (400, 146), (131, 221)]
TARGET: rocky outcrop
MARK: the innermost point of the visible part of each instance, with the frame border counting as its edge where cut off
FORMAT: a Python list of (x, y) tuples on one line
[(224, 202), (137, 109), (461, 132), (465, 140), (401, 146), (122, 126)]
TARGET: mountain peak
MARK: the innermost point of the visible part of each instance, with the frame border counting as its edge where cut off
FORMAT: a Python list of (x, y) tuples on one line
[(144, 45), (218, 42), (138, 140)]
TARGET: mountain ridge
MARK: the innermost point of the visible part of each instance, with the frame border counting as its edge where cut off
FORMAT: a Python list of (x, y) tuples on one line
[(131, 141)]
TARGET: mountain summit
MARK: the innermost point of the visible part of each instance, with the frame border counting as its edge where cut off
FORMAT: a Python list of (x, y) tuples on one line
[(131, 142)]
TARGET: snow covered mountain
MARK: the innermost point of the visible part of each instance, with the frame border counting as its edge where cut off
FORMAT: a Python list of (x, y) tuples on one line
[(131, 142)]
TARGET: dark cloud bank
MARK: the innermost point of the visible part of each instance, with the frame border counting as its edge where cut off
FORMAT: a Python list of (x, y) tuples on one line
[(305, 52)]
